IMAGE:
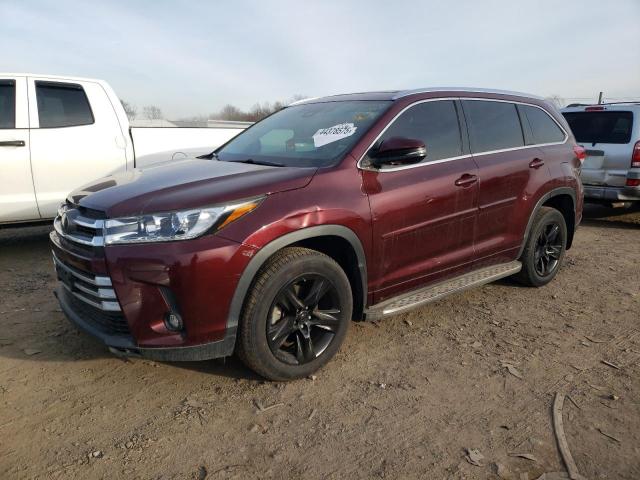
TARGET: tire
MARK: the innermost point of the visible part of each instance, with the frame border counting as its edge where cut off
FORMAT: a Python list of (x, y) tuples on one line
[(541, 261), (296, 315)]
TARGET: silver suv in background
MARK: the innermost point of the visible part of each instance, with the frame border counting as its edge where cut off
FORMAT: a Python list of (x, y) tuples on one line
[(610, 134)]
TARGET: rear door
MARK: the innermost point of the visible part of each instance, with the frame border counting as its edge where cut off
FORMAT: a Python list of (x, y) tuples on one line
[(508, 172), (423, 214), (606, 135), (17, 197), (75, 138)]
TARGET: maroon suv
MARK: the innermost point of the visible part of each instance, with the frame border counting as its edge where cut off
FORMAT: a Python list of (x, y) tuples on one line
[(332, 209)]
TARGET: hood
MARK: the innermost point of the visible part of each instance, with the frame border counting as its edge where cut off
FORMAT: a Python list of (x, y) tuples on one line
[(186, 184)]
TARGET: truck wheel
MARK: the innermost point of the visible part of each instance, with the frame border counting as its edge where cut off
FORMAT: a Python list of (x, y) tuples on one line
[(296, 315), (545, 248)]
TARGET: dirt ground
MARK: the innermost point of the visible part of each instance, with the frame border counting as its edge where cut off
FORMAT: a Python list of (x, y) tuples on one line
[(404, 398)]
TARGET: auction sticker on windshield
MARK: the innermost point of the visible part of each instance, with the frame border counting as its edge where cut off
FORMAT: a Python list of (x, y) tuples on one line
[(332, 134)]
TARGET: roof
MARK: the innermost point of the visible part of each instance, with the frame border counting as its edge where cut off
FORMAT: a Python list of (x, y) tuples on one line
[(46, 75), (397, 94)]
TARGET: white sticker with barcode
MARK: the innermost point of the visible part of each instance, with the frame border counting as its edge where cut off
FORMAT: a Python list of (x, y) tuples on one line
[(332, 134)]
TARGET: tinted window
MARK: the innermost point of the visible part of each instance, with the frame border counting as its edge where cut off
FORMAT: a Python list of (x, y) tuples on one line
[(435, 123), (544, 129), (492, 125), (601, 127), (305, 135), (62, 105), (7, 104)]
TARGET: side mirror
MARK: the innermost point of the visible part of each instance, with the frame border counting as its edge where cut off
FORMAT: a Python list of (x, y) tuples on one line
[(398, 151)]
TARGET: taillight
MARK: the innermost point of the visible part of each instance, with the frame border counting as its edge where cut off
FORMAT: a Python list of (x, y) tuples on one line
[(580, 152), (594, 109), (633, 182), (635, 156)]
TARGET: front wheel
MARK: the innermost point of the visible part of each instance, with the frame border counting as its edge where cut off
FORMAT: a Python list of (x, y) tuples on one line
[(296, 315), (545, 248)]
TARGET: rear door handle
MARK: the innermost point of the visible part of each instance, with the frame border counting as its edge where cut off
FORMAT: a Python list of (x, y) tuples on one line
[(465, 180), (536, 163), (12, 143)]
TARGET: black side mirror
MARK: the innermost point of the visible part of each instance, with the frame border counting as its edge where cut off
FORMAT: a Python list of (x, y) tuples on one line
[(398, 151)]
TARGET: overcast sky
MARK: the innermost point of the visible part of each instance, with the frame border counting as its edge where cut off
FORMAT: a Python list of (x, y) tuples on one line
[(192, 57)]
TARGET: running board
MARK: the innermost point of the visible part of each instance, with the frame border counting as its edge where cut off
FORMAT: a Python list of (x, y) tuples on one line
[(417, 298)]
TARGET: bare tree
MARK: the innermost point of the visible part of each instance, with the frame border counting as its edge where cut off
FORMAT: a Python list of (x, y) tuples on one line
[(255, 113), (152, 112), (130, 110), (556, 100)]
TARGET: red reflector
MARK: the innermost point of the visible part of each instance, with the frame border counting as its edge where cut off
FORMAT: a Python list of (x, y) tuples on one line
[(593, 109), (635, 156), (580, 152), (633, 182)]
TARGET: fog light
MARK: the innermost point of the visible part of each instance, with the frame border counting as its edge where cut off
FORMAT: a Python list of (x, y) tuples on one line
[(173, 321)]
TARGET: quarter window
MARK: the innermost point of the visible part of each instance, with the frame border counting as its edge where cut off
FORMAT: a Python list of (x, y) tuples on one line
[(435, 123), (62, 105), (544, 129), (7, 104), (492, 125)]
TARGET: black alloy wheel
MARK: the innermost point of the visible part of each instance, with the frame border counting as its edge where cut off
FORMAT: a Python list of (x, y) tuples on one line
[(303, 319), (549, 246)]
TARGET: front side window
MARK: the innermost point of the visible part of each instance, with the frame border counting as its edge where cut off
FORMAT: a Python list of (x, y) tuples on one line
[(7, 104), (435, 123), (492, 125), (306, 135), (601, 126), (62, 105), (543, 128)]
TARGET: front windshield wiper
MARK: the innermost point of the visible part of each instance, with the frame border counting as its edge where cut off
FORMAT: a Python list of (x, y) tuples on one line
[(256, 162)]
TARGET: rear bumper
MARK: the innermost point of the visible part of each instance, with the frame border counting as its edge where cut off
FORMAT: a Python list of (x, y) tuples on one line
[(125, 344), (614, 194)]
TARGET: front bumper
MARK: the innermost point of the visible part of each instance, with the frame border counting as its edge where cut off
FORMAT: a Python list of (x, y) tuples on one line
[(125, 345), (612, 194)]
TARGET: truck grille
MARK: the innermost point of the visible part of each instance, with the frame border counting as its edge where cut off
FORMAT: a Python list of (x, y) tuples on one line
[(110, 323)]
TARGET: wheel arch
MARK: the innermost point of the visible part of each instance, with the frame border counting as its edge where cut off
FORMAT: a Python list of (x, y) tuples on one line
[(562, 199), (328, 239)]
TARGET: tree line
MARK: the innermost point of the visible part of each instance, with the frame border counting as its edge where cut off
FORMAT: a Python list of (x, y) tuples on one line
[(228, 112)]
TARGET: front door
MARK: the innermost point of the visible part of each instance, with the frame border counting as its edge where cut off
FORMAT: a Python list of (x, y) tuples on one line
[(75, 138), (423, 214), (17, 197)]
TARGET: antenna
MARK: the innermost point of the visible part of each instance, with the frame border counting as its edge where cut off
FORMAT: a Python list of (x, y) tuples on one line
[(600, 99)]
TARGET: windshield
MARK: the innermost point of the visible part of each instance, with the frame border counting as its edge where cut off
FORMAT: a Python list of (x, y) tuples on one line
[(601, 127), (307, 135)]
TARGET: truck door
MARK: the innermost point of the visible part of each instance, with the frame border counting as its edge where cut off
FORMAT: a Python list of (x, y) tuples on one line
[(75, 138), (17, 197)]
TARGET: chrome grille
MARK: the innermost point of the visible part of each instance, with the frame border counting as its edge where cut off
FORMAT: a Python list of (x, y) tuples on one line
[(74, 226), (94, 290)]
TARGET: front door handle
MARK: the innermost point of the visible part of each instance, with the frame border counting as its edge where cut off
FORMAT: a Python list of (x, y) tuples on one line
[(536, 163), (12, 143), (466, 180)]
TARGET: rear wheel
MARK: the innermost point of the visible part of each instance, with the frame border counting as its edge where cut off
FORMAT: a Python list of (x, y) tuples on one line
[(545, 248), (296, 315)]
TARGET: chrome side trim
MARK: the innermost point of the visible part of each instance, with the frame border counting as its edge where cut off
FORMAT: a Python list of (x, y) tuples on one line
[(97, 241), (451, 159), (98, 281)]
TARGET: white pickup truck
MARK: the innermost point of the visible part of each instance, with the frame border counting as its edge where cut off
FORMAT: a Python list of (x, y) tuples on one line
[(58, 133)]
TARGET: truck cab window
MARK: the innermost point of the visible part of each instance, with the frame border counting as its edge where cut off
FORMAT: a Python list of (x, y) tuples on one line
[(62, 105), (7, 104)]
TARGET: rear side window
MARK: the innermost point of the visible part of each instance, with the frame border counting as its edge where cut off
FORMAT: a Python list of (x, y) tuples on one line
[(7, 104), (601, 127), (62, 105), (543, 127), (492, 125), (435, 123)]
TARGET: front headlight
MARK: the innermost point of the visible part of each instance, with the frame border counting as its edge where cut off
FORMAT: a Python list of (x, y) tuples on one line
[(171, 226)]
